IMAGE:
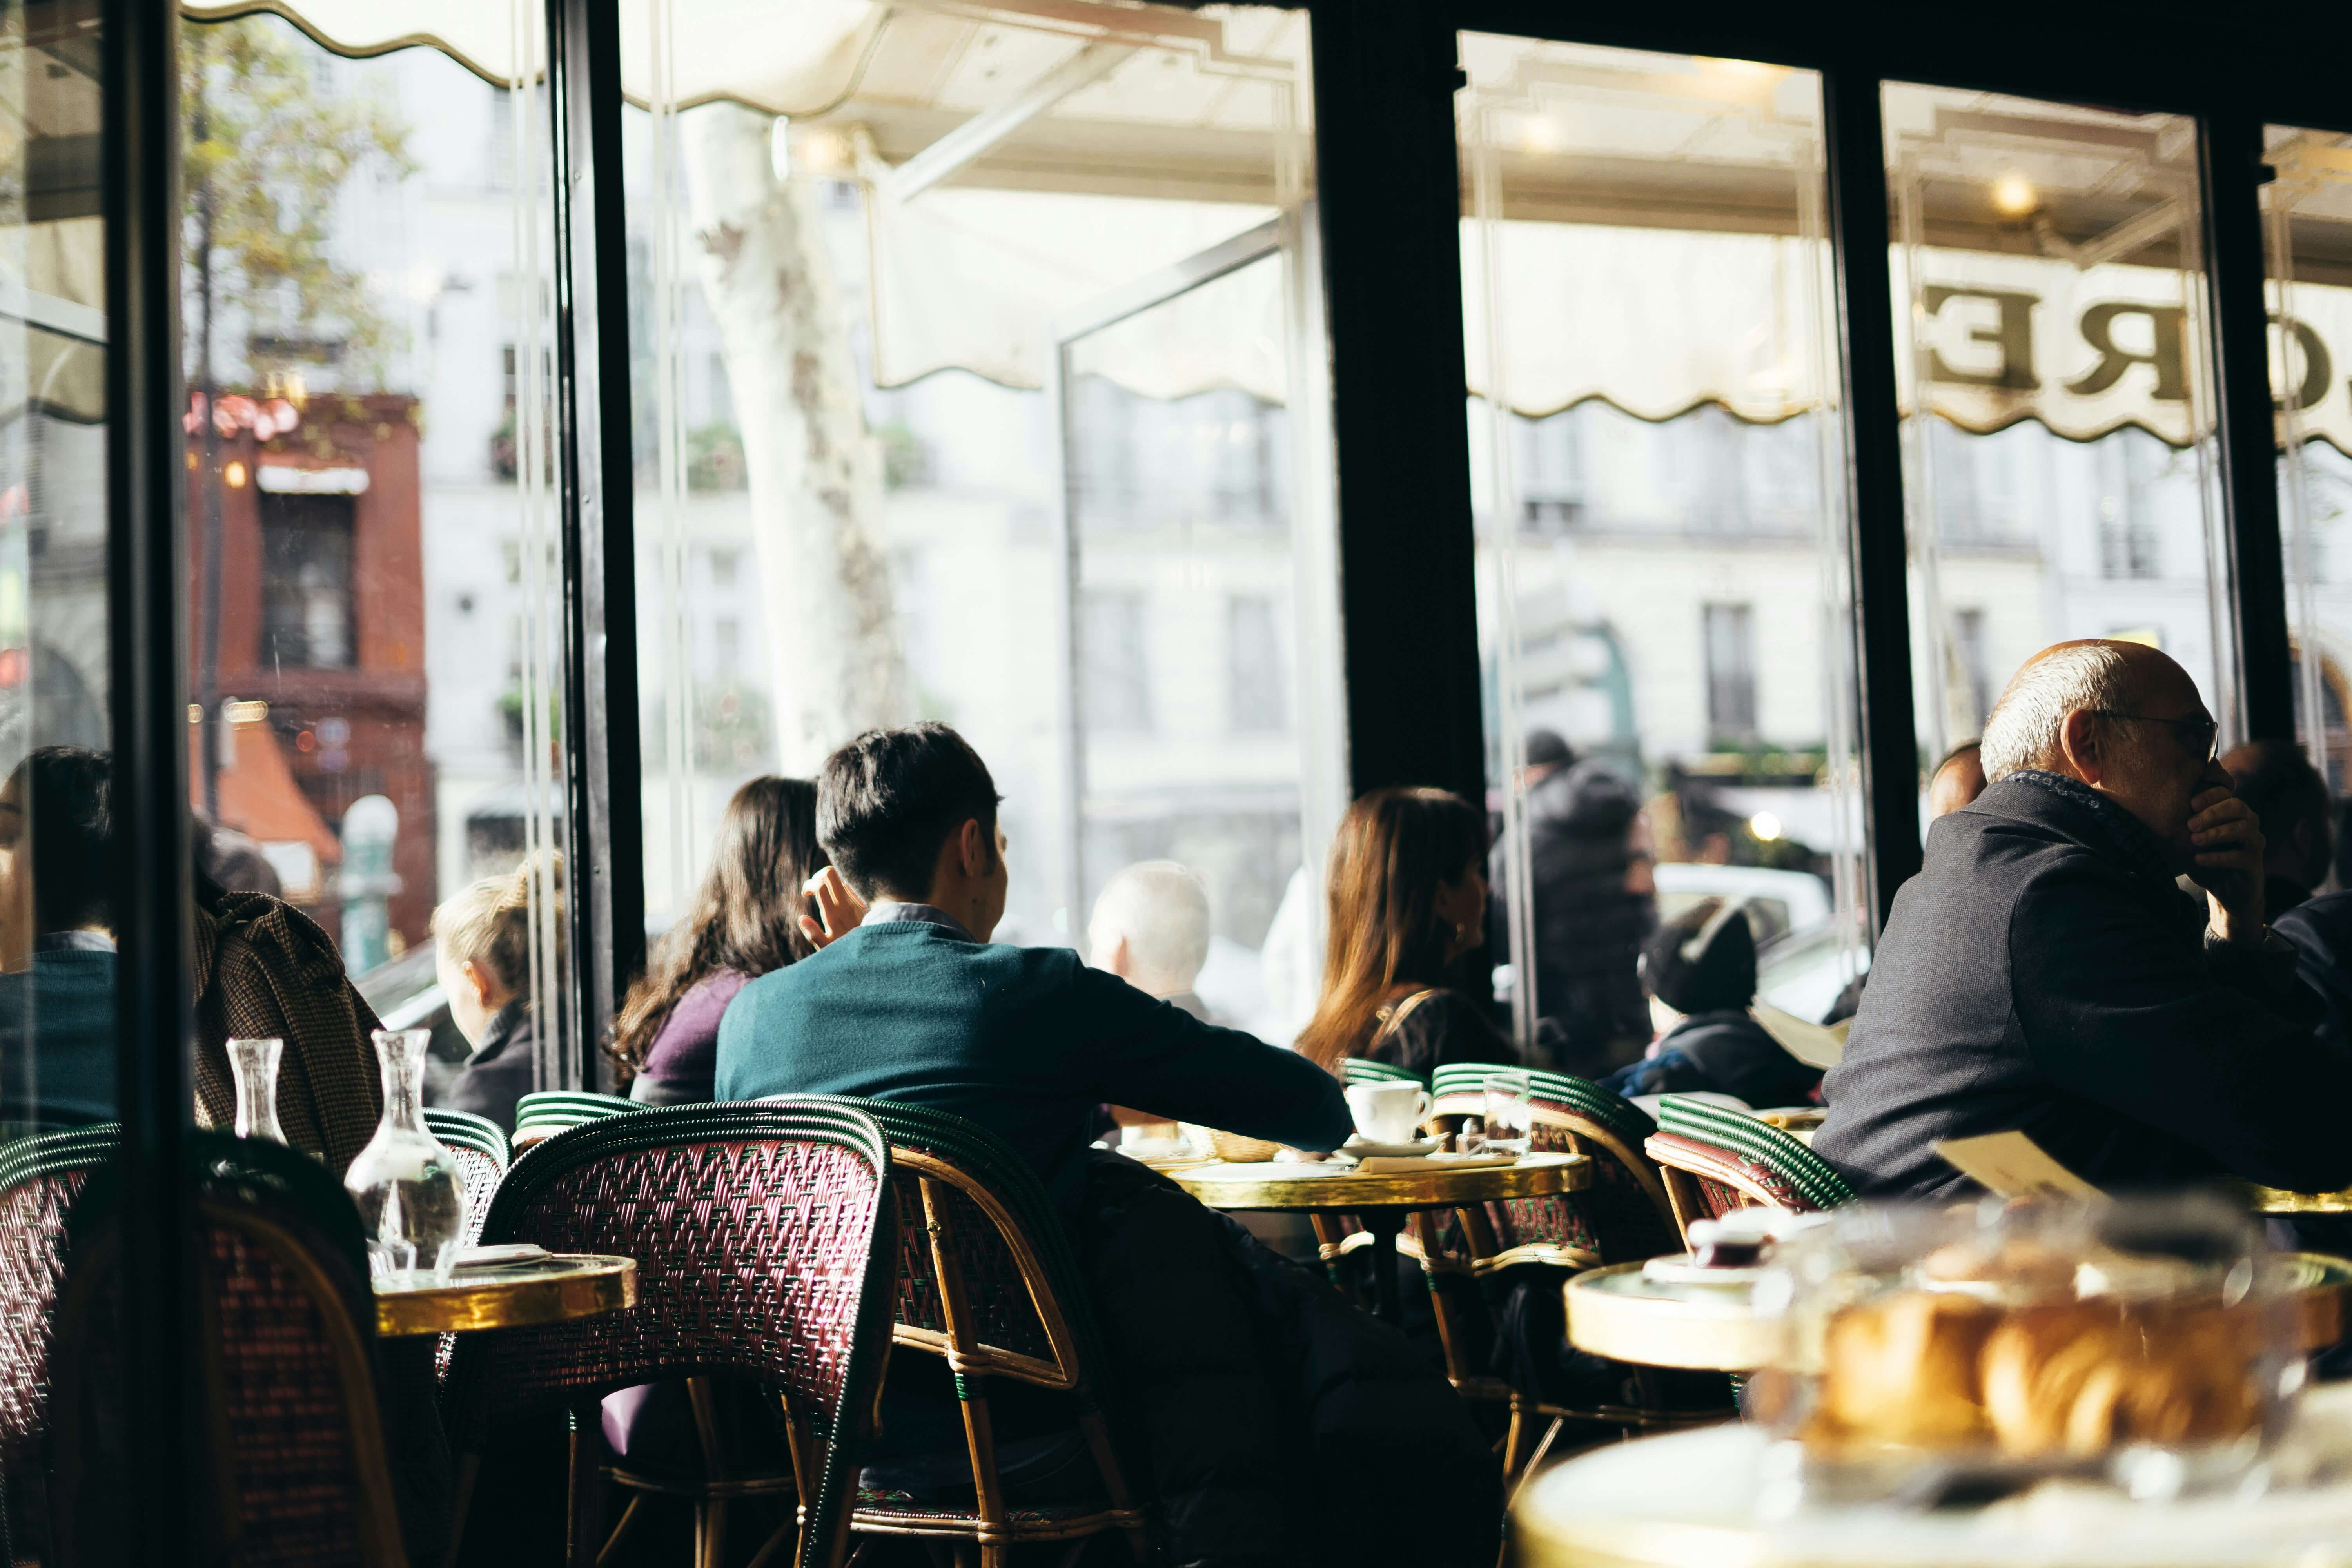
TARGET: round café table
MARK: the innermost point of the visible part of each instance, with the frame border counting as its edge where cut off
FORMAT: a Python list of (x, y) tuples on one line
[(1692, 1499), (1616, 1312), (566, 1286), (1381, 1202)]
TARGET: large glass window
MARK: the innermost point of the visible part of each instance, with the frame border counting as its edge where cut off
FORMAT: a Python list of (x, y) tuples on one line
[(2056, 386), (2308, 208), (1663, 582), (374, 576), (981, 353)]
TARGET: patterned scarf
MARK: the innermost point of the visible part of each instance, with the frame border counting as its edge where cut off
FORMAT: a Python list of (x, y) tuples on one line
[(2118, 830)]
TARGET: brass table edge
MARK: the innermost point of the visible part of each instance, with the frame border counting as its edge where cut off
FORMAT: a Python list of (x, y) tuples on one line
[(1589, 1543), (1554, 1174), (511, 1304), (1690, 1336)]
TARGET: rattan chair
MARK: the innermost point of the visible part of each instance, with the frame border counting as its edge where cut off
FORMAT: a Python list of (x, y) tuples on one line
[(988, 1281), (1623, 1218), (765, 1245), (41, 1176), (297, 1472), (1362, 1070), (1716, 1159)]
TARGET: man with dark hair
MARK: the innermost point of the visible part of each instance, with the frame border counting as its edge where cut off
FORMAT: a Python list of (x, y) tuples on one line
[(56, 939), (1957, 780), (916, 1004), (1278, 1421), (2289, 798)]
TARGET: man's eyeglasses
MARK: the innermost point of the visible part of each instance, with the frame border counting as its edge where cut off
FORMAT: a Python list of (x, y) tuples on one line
[(2201, 737)]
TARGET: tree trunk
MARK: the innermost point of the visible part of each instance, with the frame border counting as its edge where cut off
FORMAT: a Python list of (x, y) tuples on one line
[(814, 472)]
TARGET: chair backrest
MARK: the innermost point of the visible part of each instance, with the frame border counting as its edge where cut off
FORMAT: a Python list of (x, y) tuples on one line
[(1019, 1273), (561, 1108), (1626, 1215), (1716, 1160), (765, 1248), (1362, 1069), (295, 1437), (463, 1128), (41, 1177), (1699, 1122)]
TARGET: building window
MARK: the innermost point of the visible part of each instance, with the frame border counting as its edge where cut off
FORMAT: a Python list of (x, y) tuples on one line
[(1729, 634), (729, 635), (1256, 699), (1115, 669), (1551, 472), (723, 565), (306, 588)]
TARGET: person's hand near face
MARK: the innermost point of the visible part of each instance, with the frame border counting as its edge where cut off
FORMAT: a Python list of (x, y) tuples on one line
[(2227, 840)]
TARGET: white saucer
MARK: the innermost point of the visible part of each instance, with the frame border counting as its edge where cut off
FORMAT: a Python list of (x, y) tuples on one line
[(1364, 1148), (1680, 1270)]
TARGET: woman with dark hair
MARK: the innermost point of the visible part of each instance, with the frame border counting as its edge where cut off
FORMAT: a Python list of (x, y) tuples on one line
[(1407, 892), (745, 920)]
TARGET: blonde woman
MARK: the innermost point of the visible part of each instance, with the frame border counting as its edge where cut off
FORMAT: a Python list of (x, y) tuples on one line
[(482, 952)]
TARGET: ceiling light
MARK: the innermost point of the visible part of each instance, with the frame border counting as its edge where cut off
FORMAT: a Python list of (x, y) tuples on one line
[(2013, 195)]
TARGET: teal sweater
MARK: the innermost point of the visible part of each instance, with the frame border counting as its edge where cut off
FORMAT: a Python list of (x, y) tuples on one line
[(1024, 1040)]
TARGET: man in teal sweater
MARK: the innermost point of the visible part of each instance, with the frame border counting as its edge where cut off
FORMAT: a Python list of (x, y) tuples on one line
[(914, 1004)]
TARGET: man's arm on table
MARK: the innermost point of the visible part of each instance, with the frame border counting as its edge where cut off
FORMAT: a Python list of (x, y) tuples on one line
[(1157, 1058), (2222, 1055)]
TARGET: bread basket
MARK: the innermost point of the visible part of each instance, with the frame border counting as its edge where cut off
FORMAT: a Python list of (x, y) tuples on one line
[(1234, 1149)]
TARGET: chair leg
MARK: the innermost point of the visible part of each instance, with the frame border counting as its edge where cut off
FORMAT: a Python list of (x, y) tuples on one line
[(627, 1522), (710, 1533), (788, 1530), (1537, 1458), (584, 1489), (1514, 1440)]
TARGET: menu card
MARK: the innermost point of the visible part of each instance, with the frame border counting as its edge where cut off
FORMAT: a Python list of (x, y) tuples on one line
[(2014, 1166)]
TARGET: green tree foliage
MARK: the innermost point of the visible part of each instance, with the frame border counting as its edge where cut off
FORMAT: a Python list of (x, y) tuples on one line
[(266, 149)]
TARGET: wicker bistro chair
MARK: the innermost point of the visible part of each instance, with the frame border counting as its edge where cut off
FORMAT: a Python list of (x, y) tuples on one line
[(1359, 1070), (1624, 1216), (1716, 1159), (540, 1115), (765, 1243), (989, 1282), (41, 1177), (483, 1157), (287, 1370)]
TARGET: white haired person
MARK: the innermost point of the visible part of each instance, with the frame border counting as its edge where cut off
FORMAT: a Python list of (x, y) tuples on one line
[(2044, 973), (1151, 928)]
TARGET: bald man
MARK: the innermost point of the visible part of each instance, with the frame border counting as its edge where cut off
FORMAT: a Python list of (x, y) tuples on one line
[(2044, 973)]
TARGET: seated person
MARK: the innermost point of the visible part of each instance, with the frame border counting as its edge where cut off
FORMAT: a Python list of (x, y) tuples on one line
[(1320, 1411), (1151, 928), (56, 941), (744, 922), (1406, 891), (482, 940), (266, 969), (914, 1003), (1957, 780), (1701, 972), (2289, 800), (2044, 973)]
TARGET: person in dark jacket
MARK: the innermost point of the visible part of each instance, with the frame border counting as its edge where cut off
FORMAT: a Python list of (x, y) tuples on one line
[(745, 921), (1588, 918), (2043, 974), (2321, 932), (1701, 968), (482, 939), (1407, 898), (2289, 799), (56, 941)]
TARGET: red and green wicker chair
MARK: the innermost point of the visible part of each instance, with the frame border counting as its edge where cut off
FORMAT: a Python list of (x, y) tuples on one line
[(1716, 1159), (988, 1281), (41, 1177), (765, 1243), (287, 1368)]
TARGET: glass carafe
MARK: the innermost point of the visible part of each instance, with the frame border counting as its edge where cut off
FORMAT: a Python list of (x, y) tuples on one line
[(254, 1063), (412, 1201)]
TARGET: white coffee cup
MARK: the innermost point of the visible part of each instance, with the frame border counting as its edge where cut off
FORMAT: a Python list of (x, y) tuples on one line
[(1388, 1112)]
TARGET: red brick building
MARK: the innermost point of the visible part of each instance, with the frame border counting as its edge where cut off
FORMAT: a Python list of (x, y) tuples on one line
[(321, 616)]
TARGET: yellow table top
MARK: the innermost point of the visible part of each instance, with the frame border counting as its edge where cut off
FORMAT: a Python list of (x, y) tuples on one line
[(1309, 1188), (2278, 1200), (565, 1286)]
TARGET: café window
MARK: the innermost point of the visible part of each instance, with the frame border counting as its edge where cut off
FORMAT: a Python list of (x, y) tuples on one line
[(1662, 571), (1067, 366), (2307, 208), (2060, 467), (374, 579), (307, 613)]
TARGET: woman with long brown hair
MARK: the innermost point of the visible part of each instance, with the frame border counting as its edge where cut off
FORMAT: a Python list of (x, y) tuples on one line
[(744, 922), (1407, 894)]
